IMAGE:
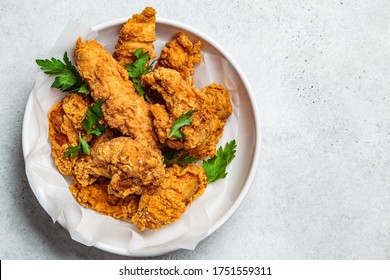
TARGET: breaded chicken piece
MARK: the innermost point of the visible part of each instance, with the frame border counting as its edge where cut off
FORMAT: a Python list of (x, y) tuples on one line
[(96, 197), (217, 108), (181, 54), (122, 107), (139, 32), (180, 97), (132, 167), (165, 204), (65, 119)]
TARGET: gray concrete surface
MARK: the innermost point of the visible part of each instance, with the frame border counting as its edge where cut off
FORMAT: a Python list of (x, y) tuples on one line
[(321, 78)]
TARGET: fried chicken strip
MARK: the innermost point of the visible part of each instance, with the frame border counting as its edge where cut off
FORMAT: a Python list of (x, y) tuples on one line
[(122, 107), (137, 33), (213, 109), (181, 54), (217, 108), (180, 97), (65, 119), (96, 197), (132, 167), (164, 205)]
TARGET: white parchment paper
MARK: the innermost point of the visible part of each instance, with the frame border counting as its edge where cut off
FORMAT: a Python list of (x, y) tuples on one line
[(87, 226)]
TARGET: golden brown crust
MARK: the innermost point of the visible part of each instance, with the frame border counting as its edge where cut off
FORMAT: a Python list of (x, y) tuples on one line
[(164, 205), (217, 108), (132, 167), (65, 119), (137, 33), (181, 55), (122, 107), (96, 197), (212, 104), (180, 97)]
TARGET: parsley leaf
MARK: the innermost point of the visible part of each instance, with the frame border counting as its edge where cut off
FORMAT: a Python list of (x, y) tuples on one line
[(72, 150), (215, 167), (172, 156), (138, 69), (92, 126), (80, 149), (67, 77), (91, 122), (84, 146), (183, 120), (139, 88)]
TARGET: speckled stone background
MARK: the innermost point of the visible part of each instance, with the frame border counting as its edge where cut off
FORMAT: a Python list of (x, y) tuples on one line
[(320, 71)]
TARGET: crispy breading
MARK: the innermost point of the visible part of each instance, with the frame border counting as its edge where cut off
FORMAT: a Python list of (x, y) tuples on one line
[(164, 205), (180, 97), (181, 54), (217, 108), (213, 109), (96, 197), (137, 33), (65, 119), (132, 167), (122, 107)]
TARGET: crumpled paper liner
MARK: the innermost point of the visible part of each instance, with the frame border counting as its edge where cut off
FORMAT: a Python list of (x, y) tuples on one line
[(87, 226)]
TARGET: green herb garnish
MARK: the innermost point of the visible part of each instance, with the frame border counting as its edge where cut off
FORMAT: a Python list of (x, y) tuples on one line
[(138, 69), (91, 121), (173, 156), (80, 149), (183, 120), (215, 167), (67, 77)]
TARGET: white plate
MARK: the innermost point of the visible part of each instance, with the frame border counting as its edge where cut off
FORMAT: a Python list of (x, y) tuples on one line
[(218, 203)]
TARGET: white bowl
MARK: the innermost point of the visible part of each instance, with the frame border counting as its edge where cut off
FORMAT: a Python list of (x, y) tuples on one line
[(220, 200)]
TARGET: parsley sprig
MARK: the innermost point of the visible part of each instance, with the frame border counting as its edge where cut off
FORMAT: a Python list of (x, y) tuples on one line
[(182, 120), (79, 150), (215, 167), (91, 122), (91, 125), (173, 156), (138, 69), (67, 77)]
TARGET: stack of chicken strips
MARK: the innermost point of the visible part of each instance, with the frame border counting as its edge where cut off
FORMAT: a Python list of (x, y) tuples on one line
[(125, 176)]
